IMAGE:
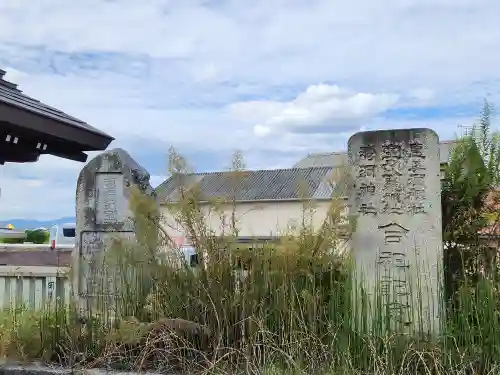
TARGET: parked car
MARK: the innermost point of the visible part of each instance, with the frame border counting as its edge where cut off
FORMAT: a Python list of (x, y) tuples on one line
[(63, 235)]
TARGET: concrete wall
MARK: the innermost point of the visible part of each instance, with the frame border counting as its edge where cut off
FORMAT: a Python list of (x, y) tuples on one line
[(30, 246), (256, 218)]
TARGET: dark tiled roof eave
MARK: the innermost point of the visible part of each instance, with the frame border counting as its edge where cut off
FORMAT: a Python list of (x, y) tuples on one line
[(29, 114)]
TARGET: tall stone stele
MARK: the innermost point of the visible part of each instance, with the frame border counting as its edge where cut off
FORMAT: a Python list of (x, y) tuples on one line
[(397, 245), (103, 216)]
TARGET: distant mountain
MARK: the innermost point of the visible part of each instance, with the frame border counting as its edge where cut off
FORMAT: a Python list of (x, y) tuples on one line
[(32, 224)]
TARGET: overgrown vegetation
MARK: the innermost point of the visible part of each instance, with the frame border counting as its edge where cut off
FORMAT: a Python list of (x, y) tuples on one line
[(38, 236), (275, 308), (470, 206)]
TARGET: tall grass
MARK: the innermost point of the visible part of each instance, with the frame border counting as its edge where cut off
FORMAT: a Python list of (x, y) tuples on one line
[(290, 312), (287, 307)]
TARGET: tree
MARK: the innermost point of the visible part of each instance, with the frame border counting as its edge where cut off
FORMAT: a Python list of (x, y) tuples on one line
[(469, 202)]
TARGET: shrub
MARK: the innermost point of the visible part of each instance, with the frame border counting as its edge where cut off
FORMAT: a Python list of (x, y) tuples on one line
[(38, 236), (12, 240)]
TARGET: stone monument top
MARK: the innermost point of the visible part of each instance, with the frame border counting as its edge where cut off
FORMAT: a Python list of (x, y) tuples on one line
[(113, 169)]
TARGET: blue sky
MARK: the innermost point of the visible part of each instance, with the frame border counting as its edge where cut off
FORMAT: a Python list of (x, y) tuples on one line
[(276, 79)]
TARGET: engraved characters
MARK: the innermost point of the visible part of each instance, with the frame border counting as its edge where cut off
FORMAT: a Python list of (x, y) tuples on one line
[(390, 178), (393, 264), (109, 200)]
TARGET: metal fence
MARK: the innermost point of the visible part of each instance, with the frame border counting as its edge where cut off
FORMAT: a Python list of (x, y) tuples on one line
[(33, 287)]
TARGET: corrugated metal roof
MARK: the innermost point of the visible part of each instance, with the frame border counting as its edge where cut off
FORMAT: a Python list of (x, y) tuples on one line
[(10, 94), (337, 159), (262, 185)]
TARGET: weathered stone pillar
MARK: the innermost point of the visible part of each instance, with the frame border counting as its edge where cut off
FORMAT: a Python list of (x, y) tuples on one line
[(397, 246), (103, 215)]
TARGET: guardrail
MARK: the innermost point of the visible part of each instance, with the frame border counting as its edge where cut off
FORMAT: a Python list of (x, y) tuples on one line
[(9, 233)]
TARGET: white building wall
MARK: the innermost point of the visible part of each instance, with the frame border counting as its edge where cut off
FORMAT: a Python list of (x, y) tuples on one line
[(256, 218)]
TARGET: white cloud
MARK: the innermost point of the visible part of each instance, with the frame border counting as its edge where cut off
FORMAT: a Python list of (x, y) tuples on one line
[(156, 180), (43, 190), (267, 77), (422, 94), (261, 130), (320, 108), (14, 75), (369, 41)]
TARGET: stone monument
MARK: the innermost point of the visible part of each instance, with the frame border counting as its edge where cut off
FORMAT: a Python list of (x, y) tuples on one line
[(397, 245), (103, 216)]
